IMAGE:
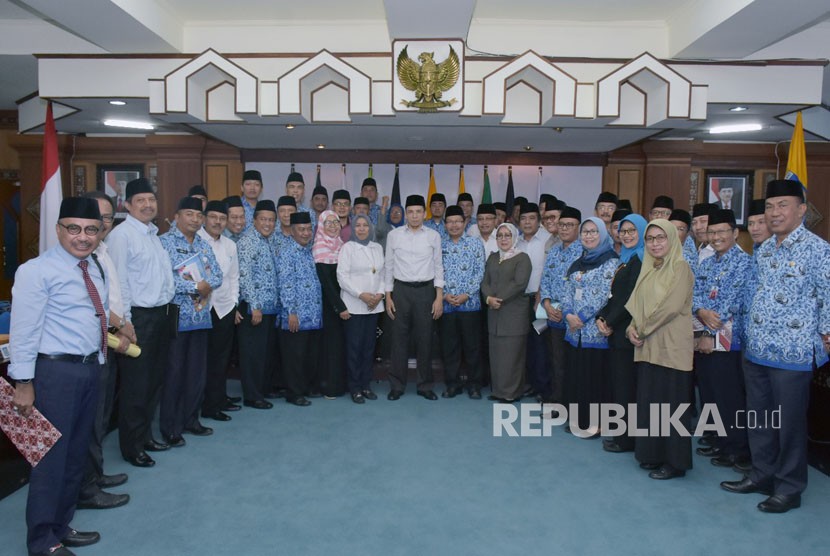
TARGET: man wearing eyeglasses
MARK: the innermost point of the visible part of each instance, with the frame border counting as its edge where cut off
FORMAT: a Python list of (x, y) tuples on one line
[(661, 208)]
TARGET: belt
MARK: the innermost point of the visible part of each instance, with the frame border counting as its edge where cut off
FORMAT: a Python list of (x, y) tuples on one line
[(69, 358), (414, 284), (151, 309)]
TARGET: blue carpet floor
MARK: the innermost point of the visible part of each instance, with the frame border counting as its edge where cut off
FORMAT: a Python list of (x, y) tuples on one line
[(415, 477)]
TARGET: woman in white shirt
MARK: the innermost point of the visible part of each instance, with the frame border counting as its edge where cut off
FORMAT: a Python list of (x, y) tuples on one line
[(359, 271)]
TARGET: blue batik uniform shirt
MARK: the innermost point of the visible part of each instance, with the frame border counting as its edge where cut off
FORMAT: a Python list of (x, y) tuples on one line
[(438, 227), (194, 313), (789, 309), (374, 214), (249, 214), (463, 271), (585, 294), (720, 286), (258, 271), (554, 280), (300, 292), (690, 254)]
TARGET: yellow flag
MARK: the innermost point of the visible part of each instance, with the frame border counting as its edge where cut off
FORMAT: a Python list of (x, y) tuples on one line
[(797, 160), (461, 180), (431, 190)]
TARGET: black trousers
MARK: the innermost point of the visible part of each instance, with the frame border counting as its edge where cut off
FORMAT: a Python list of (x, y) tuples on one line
[(220, 343), (332, 355), (141, 379), (721, 375), (537, 367), (557, 348), (460, 333), (184, 383), (300, 351), (257, 355), (779, 455), (413, 317), (623, 386), (67, 395), (103, 412), (360, 333)]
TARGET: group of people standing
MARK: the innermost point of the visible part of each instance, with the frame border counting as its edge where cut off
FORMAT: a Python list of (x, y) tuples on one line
[(609, 308)]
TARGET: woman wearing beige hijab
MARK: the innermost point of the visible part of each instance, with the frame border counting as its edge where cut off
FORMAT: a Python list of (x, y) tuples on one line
[(661, 331)]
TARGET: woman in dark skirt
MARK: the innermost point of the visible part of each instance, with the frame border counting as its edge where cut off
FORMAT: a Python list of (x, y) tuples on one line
[(586, 292), (327, 244), (613, 319), (661, 332)]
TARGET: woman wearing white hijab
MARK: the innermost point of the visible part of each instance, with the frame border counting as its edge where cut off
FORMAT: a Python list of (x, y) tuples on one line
[(505, 279)]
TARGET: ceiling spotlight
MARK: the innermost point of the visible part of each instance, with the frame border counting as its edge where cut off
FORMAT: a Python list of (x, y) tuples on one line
[(738, 109), (528, 148), (321, 146), (118, 102), (129, 124), (557, 129), (735, 128), (289, 126)]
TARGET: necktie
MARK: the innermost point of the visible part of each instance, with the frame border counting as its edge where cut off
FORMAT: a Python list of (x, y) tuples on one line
[(96, 302)]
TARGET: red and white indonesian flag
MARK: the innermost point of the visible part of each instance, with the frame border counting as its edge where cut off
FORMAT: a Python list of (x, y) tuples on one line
[(51, 191)]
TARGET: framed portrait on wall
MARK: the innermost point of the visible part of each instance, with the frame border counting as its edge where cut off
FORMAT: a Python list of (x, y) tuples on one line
[(730, 190), (113, 180)]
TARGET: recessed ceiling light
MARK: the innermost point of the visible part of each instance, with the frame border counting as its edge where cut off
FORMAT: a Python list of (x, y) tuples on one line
[(321, 146), (129, 124), (738, 109), (528, 148), (118, 102), (738, 128), (557, 129), (289, 126)]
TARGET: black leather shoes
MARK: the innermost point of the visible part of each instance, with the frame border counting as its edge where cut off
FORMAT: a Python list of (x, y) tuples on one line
[(233, 399), (780, 503), (218, 416), (475, 394), (358, 398), (140, 460), (729, 461), (199, 430), (299, 401), (102, 501), (80, 538), (666, 472), (176, 441), (612, 446), (231, 407), (744, 466), (369, 395), (428, 395), (258, 404), (451, 392), (155, 446), (394, 395), (745, 486), (58, 550), (709, 451), (109, 481), (649, 466)]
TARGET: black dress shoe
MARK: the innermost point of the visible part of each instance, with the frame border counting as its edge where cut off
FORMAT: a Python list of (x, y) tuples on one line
[(199, 430), (709, 451), (649, 466), (666, 472), (706, 440), (612, 446), (744, 466), (780, 503), (80, 538), (176, 441), (102, 501), (729, 461), (109, 481), (475, 394), (58, 550), (394, 395), (745, 486), (155, 446), (231, 407), (233, 399), (140, 460), (428, 395), (258, 404), (299, 401), (357, 397), (369, 395), (218, 416)]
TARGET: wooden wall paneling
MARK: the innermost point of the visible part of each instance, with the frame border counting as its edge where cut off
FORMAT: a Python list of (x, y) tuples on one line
[(179, 162), (216, 181), (630, 186)]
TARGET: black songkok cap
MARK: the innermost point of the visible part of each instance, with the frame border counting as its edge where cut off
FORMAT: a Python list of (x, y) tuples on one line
[(555, 205), (81, 207), (607, 197), (722, 216), (140, 185), (663, 201), (454, 210), (546, 198), (252, 175), (416, 201), (486, 208), (361, 201), (341, 194), (465, 197), (500, 206), (287, 201), (300, 218), (370, 181), (681, 216), (781, 188), (266, 204), (233, 201), (518, 201), (320, 190), (528, 208), (190, 203), (216, 206), (619, 214), (571, 212), (295, 176), (757, 206), (625, 204), (702, 209), (438, 198), (197, 190)]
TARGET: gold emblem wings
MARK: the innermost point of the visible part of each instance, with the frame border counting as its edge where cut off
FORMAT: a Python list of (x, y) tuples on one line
[(428, 80)]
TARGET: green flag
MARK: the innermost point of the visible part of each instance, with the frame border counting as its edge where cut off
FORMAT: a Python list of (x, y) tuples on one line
[(486, 196)]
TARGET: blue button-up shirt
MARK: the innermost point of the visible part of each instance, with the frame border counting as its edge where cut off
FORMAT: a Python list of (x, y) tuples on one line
[(142, 264), (463, 271), (585, 294), (232, 236), (194, 312), (438, 227), (300, 292), (249, 213), (554, 281), (790, 307), (720, 286), (52, 312), (258, 271)]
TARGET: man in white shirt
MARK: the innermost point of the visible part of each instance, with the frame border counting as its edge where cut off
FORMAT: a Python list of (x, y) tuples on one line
[(414, 296), (223, 314), (486, 224)]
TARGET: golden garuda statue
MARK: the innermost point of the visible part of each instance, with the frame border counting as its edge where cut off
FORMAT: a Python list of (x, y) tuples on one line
[(428, 79)]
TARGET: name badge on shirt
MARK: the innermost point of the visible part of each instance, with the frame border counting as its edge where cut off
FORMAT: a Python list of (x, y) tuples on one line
[(578, 294), (713, 294)]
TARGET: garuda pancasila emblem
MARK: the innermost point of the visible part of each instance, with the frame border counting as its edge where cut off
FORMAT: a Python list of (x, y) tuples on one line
[(428, 79)]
